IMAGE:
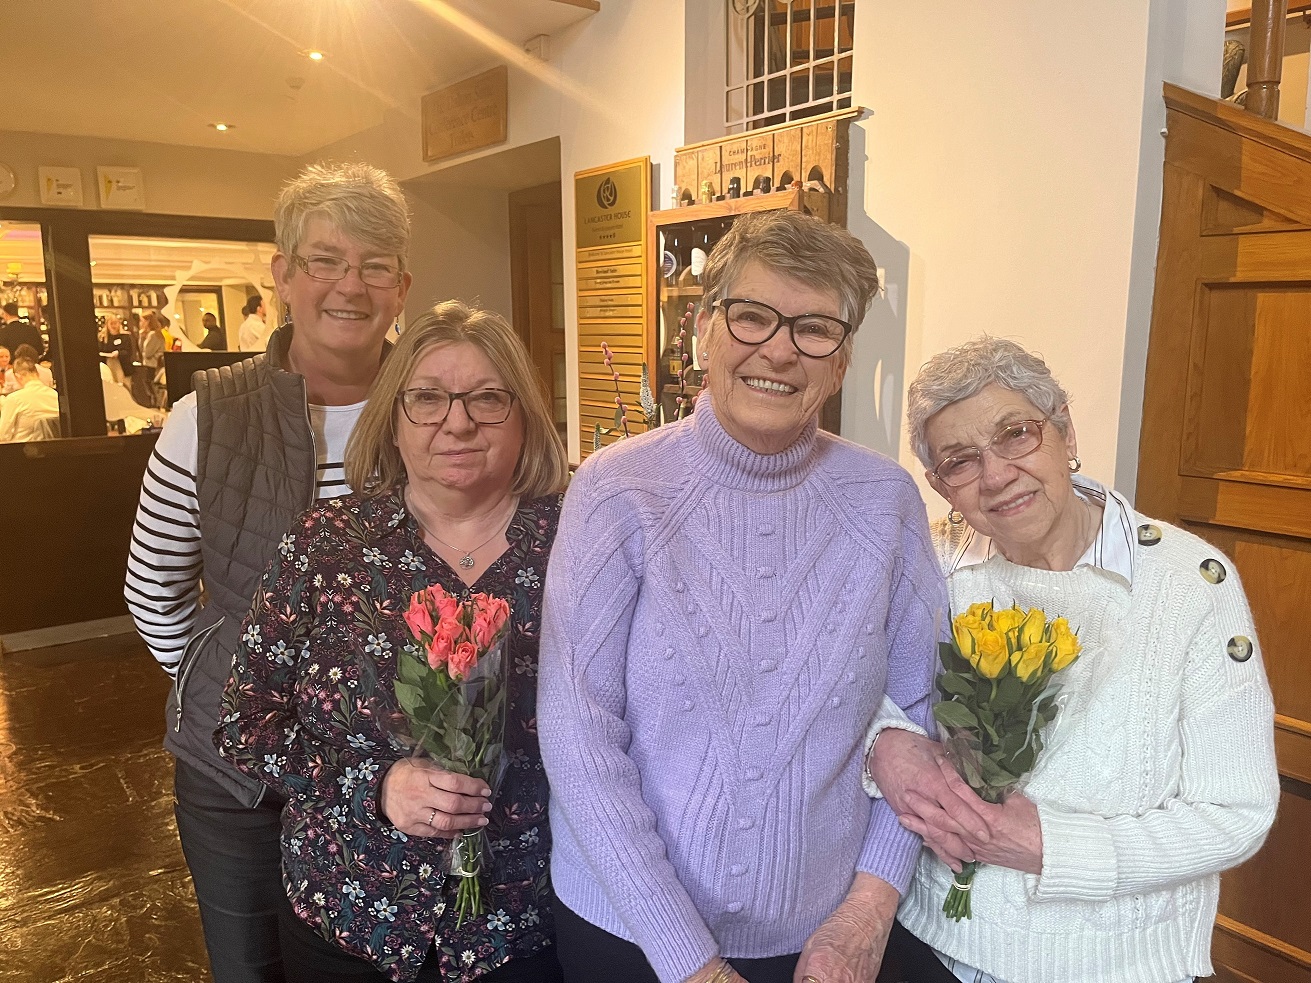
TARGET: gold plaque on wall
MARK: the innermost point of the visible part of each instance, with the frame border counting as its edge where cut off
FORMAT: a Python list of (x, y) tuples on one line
[(466, 116), (610, 204)]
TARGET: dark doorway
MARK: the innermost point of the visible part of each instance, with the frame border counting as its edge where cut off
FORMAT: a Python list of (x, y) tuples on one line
[(537, 284)]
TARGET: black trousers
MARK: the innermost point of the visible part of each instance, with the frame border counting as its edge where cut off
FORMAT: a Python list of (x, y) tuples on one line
[(592, 955), (236, 867), (310, 958), (908, 960)]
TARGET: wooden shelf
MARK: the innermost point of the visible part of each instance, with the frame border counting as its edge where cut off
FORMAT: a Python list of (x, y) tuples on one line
[(814, 201), (674, 292), (1242, 16)]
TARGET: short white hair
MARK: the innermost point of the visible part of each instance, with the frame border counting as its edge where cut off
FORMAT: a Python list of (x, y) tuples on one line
[(968, 369)]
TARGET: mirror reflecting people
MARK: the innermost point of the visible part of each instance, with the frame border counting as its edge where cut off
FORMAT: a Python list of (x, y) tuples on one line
[(253, 335), (32, 411), (216, 337)]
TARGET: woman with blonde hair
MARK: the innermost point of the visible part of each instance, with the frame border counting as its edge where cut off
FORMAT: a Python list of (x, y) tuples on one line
[(235, 464), (458, 470)]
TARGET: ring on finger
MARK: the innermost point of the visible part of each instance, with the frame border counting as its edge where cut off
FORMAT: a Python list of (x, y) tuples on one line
[(431, 816), (811, 979)]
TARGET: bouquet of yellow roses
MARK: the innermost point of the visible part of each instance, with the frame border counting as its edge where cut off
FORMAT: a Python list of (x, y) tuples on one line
[(997, 694)]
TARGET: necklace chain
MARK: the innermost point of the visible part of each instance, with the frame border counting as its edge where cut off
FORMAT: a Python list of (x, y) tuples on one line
[(466, 560)]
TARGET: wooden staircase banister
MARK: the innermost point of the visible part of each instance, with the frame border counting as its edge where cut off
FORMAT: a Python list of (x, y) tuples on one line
[(1265, 57)]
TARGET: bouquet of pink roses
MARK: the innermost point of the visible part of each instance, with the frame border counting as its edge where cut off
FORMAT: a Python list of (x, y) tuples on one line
[(450, 686)]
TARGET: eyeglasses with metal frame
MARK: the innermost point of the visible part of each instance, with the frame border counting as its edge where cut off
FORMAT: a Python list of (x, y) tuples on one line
[(753, 323), (1010, 443), (373, 274), (429, 407)]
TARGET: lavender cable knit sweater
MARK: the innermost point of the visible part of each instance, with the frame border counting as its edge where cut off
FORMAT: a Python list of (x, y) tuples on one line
[(719, 628)]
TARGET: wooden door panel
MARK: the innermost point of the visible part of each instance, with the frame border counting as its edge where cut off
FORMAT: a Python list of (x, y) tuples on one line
[(1226, 452), (1246, 895)]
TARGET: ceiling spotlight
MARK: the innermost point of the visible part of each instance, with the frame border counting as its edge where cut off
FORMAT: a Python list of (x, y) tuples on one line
[(222, 127), (314, 55)]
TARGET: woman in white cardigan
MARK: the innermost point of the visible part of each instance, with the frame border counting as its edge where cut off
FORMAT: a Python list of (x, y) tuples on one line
[(1159, 771)]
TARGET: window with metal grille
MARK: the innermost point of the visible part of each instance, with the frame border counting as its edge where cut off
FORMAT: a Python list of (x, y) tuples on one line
[(786, 60)]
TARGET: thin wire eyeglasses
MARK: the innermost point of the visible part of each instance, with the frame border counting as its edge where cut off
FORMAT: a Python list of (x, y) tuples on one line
[(753, 323), (1010, 443), (335, 268), (431, 407)]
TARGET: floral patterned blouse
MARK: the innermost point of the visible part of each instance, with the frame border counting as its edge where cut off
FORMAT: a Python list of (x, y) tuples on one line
[(316, 661)]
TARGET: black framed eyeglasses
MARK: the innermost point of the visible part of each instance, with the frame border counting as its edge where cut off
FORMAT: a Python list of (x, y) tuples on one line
[(753, 323), (335, 268), (1010, 443), (430, 407)]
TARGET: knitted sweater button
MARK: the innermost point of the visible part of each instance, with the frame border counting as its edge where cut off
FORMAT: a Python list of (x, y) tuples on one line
[(679, 680), (764, 573), (669, 654), (746, 822), (753, 774), (768, 665), (734, 907), (702, 631), (763, 720), (835, 702), (737, 870), (765, 529), (860, 651), (687, 706), (768, 614), (679, 587)]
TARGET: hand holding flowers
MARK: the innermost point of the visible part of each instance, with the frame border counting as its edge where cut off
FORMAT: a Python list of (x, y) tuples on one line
[(997, 696)]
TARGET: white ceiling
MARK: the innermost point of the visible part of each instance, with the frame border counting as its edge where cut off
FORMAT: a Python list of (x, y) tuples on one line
[(162, 70)]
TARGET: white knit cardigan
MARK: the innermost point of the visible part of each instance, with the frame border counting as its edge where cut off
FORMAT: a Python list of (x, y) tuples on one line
[(1158, 773)]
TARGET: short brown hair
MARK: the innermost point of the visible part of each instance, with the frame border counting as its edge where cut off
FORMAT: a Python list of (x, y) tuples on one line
[(802, 247), (373, 461)]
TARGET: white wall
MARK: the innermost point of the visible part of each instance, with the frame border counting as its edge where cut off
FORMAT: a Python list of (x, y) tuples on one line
[(460, 248), (178, 180), (1008, 179), (613, 90)]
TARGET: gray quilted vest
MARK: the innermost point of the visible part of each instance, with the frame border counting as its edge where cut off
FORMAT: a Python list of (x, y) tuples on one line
[(255, 471)]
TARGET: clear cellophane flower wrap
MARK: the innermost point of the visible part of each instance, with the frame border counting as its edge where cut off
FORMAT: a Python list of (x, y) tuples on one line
[(997, 696), (450, 704)]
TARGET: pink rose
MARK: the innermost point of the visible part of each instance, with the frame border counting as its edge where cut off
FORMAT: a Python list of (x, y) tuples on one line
[(483, 631), (419, 617), (448, 608), (439, 651), (464, 658)]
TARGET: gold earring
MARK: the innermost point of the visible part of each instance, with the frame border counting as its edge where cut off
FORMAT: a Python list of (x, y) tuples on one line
[(955, 518), (1074, 464)]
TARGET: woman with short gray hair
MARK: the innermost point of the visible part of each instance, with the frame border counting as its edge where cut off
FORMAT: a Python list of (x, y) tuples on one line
[(729, 599), (253, 446), (1158, 773)]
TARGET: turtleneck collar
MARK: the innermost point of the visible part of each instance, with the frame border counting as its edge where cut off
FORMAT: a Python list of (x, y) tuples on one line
[(719, 457)]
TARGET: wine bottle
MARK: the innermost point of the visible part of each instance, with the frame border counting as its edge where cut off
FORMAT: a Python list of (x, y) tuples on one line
[(669, 262), (700, 252)]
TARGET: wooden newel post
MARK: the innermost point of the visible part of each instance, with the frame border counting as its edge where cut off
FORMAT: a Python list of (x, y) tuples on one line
[(1265, 60)]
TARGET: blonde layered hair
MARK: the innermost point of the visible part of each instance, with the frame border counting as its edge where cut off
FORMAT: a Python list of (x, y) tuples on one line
[(364, 202), (373, 461)]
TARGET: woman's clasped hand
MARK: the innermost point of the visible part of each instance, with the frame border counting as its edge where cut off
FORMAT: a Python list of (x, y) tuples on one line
[(421, 799)]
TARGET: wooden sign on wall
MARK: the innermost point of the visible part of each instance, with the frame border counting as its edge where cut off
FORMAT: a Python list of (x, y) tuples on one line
[(467, 115), (611, 205)]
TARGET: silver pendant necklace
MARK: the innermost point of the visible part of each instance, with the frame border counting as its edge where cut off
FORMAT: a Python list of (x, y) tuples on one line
[(466, 561)]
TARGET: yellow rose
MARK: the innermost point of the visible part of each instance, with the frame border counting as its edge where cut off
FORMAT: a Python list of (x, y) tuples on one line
[(1028, 662), (963, 628), (1031, 632), (979, 612), (1067, 644), (990, 653), (1008, 619)]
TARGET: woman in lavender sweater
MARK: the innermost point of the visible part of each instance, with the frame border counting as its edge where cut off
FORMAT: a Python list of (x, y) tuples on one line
[(729, 600)]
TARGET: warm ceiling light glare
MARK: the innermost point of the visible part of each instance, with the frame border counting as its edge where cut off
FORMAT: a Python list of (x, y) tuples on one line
[(221, 127), (314, 55)]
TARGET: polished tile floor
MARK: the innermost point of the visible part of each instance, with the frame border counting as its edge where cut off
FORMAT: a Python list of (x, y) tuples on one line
[(92, 882)]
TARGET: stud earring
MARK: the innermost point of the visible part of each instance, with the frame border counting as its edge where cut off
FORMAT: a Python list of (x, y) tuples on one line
[(1074, 464), (286, 316), (955, 518)]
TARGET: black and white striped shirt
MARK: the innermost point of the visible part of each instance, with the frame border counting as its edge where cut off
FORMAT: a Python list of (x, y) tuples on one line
[(162, 588)]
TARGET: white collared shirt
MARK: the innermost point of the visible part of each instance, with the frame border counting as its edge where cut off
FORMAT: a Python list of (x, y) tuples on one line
[(1111, 551)]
